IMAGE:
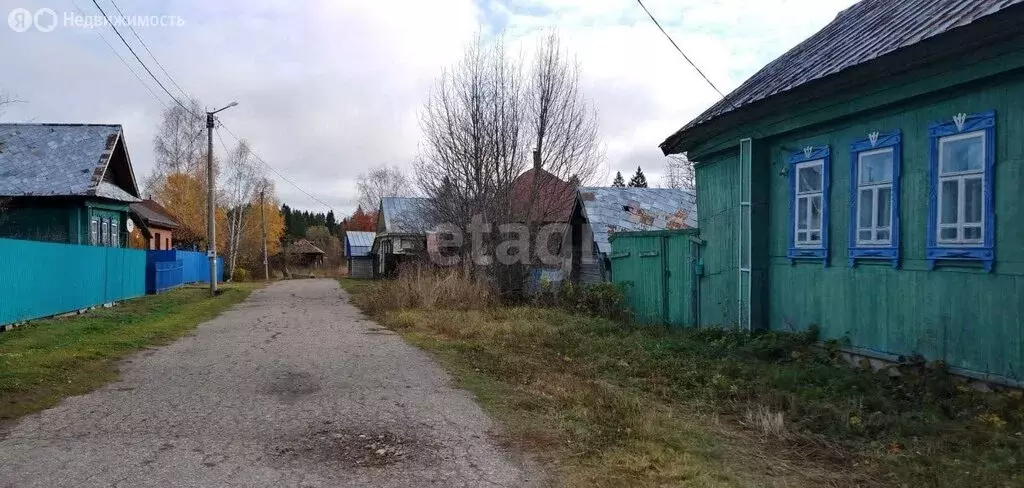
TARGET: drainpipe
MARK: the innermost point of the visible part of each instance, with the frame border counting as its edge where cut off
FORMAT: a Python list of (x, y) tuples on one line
[(698, 270)]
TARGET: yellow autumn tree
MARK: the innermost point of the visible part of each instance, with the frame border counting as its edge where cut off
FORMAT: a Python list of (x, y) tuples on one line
[(250, 249), (184, 197)]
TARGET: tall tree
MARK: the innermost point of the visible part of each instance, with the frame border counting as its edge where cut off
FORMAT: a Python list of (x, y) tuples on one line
[(381, 182), (679, 173), (244, 177), (618, 182), (332, 224), (179, 145), (638, 180)]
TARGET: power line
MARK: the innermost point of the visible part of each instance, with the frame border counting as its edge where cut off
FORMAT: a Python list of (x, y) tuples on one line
[(123, 61), (144, 46), (137, 58), (271, 168), (687, 58)]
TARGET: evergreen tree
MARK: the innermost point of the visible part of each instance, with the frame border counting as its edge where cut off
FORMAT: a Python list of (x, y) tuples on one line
[(332, 224), (618, 182), (638, 180)]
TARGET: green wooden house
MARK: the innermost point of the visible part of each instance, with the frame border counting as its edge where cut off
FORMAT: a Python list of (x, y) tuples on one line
[(69, 183), (869, 182)]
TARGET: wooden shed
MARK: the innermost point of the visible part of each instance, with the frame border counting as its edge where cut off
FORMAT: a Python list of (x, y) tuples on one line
[(868, 182), (359, 254)]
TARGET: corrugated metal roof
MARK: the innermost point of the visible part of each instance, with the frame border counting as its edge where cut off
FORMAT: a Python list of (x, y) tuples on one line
[(406, 214), (359, 243), (610, 210), (868, 30)]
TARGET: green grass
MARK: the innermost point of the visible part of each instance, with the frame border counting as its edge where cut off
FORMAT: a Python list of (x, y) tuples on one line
[(609, 405), (50, 359)]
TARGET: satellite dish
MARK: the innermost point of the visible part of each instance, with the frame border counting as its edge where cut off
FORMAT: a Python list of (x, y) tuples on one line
[(130, 225)]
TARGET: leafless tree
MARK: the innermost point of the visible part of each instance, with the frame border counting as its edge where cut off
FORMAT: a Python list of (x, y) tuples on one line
[(382, 182), (679, 173), (243, 179), (179, 145), (475, 126)]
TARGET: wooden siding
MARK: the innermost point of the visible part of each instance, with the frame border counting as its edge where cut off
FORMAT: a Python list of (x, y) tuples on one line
[(971, 319), (655, 269), (717, 212)]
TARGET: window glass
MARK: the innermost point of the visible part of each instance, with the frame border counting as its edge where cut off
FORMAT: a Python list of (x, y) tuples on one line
[(815, 213), (972, 200), (866, 205), (884, 210), (963, 153), (876, 167), (950, 192), (809, 178), (801, 213)]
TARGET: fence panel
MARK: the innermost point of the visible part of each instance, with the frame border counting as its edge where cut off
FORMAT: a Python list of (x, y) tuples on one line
[(169, 269), (39, 279), (656, 270)]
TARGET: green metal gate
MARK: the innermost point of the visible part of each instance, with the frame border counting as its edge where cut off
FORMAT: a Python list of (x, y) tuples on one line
[(656, 269)]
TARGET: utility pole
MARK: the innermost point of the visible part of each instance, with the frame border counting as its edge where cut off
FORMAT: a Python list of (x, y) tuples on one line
[(211, 226), (263, 218)]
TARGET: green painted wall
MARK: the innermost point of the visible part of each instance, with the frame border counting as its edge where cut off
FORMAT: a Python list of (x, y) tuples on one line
[(64, 220), (656, 271), (972, 319)]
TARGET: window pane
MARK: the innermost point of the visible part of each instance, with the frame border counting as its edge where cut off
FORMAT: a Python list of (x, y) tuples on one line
[(884, 202), (810, 178), (972, 233), (801, 213), (105, 232), (801, 236), (815, 236), (864, 235), (963, 154), (816, 212), (883, 235), (866, 209), (948, 234), (876, 167), (972, 200), (950, 190)]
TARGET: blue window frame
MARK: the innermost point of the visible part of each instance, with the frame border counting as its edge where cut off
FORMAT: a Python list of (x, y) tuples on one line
[(961, 210), (875, 198), (808, 204)]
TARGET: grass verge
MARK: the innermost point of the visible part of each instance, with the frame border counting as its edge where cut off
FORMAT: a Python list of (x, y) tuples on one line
[(50, 359), (609, 405)]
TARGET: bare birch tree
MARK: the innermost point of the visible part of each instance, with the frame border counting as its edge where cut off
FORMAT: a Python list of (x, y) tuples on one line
[(382, 182), (243, 179), (179, 145), (679, 173)]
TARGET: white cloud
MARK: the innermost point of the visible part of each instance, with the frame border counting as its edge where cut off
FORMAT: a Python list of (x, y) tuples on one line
[(328, 89)]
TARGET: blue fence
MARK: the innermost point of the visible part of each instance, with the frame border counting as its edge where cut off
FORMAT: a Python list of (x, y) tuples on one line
[(39, 279), (170, 269)]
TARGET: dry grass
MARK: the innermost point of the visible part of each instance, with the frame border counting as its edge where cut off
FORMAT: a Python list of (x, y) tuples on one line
[(608, 405), (428, 289)]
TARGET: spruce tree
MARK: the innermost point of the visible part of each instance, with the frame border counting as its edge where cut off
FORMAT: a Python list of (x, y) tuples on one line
[(618, 182), (638, 180)]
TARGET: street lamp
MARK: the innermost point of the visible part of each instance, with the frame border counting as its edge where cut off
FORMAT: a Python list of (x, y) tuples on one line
[(211, 229)]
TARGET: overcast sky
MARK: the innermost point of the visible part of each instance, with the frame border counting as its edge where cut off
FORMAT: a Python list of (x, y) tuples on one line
[(329, 88)]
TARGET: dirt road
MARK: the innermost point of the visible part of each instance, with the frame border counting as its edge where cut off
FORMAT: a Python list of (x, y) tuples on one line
[(293, 387)]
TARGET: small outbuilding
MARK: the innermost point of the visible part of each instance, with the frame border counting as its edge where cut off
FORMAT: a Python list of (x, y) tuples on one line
[(359, 253), (402, 226), (600, 212), (304, 253), (155, 224)]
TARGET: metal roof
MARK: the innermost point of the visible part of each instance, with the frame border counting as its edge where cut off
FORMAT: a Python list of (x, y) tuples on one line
[(405, 215), (867, 30), (359, 243), (610, 210), (59, 160)]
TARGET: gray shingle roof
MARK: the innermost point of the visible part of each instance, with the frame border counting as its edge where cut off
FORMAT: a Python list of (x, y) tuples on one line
[(610, 210), (58, 160), (868, 30), (359, 243), (406, 215), (154, 214)]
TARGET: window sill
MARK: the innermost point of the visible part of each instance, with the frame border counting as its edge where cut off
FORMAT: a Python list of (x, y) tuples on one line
[(808, 254), (960, 255), (874, 254)]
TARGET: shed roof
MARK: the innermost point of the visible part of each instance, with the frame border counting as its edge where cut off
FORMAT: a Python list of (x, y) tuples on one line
[(610, 210), (359, 243), (64, 160), (405, 215), (868, 30), (302, 246), (554, 198), (154, 214)]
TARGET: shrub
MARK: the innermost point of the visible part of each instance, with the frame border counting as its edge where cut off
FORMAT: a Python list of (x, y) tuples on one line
[(240, 274), (606, 300)]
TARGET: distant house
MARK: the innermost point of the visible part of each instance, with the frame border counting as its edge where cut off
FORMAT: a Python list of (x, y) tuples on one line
[(359, 253), (868, 182), (70, 183), (155, 224), (599, 212), (305, 254), (540, 197), (402, 226)]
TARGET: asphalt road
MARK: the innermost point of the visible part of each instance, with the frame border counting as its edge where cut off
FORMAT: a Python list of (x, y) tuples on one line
[(293, 387)]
